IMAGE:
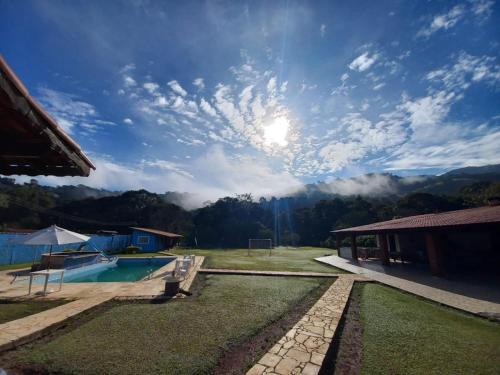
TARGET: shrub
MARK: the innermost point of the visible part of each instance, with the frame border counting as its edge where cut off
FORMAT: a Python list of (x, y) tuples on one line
[(131, 249)]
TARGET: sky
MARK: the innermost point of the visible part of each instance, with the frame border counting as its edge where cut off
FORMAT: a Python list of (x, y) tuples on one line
[(225, 97)]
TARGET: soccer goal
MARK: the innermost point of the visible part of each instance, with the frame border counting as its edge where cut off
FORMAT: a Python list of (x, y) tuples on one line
[(260, 243)]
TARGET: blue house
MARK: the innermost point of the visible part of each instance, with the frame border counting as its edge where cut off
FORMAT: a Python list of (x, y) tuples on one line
[(152, 240)]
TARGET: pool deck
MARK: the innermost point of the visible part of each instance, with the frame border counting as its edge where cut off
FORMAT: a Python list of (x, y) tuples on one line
[(86, 296)]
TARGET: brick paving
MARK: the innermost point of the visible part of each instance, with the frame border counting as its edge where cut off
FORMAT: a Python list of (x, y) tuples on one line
[(302, 350), (436, 292), (87, 295)]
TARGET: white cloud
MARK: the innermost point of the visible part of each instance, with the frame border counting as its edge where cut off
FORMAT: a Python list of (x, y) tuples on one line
[(443, 21), (307, 87), (199, 83), (205, 106), (455, 153), (70, 112), (128, 121), (338, 155), (363, 62), (467, 70), (315, 109), (482, 8), (129, 81), (216, 175), (151, 87), (177, 88), (322, 30), (367, 184)]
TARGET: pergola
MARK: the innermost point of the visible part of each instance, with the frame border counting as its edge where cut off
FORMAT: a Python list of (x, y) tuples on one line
[(433, 228), (31, 142)]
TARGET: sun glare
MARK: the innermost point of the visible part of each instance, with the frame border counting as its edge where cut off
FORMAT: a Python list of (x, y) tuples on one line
[(276, 131)]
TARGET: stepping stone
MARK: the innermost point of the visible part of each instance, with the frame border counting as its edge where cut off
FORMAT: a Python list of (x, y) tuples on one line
[(270, 360)]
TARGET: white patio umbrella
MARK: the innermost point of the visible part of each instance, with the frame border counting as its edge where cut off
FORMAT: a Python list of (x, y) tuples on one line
[(53, 235)]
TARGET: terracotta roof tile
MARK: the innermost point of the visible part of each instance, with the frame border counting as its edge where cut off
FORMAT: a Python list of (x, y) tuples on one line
[(471, 216), (158, 232)]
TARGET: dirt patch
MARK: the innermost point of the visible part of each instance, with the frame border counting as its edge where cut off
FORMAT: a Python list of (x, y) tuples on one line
[(345, 353), (243, 355)]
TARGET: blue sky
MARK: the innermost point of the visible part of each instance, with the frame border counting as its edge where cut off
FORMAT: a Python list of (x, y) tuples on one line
[(230, 97)]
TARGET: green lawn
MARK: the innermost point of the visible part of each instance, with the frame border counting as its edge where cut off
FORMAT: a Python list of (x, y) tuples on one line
[(12, 310), (4, 267), (282, 259), (178, 337), (404, 334)]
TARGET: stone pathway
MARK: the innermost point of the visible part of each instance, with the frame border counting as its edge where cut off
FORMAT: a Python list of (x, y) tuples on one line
[(267, 273), (434, 293), (88, 295), (303, 349)]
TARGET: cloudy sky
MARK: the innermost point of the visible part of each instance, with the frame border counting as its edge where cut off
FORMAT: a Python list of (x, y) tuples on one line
[(228, 97)]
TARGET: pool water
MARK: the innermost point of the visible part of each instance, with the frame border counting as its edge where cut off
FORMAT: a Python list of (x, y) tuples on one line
[(123, 273), (121, 270)]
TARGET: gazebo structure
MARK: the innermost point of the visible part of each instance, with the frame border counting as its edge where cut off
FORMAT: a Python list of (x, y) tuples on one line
[(463, 239), (31, 142)]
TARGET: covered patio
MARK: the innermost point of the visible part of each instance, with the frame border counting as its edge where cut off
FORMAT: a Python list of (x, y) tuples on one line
[(446, 243)]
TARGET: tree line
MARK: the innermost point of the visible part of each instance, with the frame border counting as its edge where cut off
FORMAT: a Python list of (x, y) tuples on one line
[(228, 222)]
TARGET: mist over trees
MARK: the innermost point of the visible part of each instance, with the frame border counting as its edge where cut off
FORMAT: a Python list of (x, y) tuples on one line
[(227, 222)]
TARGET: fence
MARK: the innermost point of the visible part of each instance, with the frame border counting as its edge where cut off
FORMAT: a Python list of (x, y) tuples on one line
[(12, 252)]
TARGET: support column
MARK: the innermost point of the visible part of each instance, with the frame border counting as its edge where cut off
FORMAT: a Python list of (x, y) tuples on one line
[(338, 240), (384, 249), (354, 248), (434, 246)]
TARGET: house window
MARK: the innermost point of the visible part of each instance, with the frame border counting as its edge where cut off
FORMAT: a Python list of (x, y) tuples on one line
[(142, 240)]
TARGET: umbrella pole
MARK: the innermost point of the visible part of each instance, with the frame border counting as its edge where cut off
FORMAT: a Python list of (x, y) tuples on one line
[(50, 256)]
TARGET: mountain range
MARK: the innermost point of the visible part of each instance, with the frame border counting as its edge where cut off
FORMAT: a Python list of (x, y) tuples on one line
[(370, 185)]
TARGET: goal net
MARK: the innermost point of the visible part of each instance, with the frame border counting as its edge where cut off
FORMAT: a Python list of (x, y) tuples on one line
[(260, 243)]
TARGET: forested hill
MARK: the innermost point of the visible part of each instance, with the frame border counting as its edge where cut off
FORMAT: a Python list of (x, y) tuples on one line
[(305, 218), (368, 185)]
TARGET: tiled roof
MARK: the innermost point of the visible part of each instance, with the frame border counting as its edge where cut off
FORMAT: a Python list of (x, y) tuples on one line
[(158, 232), (32, 143), (471, 216)]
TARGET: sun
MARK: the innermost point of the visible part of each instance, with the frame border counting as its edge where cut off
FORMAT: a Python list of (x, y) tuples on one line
[(277, 131)]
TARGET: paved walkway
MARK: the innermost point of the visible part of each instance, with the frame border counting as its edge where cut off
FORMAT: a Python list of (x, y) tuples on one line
[(267, 273), (303, 349), (87, 295), (425, 285)]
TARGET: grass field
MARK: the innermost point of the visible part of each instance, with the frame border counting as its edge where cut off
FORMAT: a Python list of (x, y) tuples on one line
[(178, 337), (12, 310), (407, 335), (4, 267), (282, 259)]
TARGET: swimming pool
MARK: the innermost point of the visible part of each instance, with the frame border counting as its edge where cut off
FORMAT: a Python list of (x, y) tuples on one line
[(121, 270)]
